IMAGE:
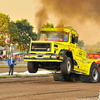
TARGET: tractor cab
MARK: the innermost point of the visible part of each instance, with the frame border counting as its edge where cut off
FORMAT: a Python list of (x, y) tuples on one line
[(54, 36), (59, 35)]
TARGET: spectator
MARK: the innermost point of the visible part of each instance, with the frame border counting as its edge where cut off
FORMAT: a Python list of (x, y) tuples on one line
[(4, 57), (11, 64), (16, 57), (19, 58)]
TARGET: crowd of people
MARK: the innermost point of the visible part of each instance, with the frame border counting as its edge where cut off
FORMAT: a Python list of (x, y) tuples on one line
[(3, 57), (18, 57)]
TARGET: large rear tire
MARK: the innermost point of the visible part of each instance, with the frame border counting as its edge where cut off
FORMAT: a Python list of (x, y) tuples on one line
[(63, 77), (66, 66), (32, 67), (58, 77), (94, 75)]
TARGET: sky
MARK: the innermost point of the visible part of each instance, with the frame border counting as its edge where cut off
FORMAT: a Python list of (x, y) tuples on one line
[(18, 9), (55, 12)]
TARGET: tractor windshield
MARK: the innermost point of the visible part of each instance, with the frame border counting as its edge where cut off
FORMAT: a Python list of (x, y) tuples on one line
[(54, 36)]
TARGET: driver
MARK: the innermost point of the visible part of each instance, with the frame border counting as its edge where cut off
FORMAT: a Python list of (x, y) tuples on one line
[(50, 36), (66, 38)]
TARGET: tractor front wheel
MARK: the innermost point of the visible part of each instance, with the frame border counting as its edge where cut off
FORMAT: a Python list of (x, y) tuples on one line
[(32, 67), (66, 66)]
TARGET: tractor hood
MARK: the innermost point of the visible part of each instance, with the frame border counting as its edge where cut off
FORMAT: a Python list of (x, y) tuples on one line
[(46, 47)]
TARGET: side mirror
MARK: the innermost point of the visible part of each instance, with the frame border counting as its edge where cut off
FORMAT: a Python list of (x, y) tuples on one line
[(76, 39)]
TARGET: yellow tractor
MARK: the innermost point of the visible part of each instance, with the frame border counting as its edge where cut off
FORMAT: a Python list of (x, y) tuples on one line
[(56, 49)]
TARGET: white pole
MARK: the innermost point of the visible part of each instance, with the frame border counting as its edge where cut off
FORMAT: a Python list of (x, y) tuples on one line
[(10, 48)]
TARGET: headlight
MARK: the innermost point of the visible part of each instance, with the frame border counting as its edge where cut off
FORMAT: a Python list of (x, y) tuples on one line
[(53, 56), (26, 56), (48, 49)]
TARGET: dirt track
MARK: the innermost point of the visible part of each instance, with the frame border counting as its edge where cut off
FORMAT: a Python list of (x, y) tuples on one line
[(45, 88), (16, 69)]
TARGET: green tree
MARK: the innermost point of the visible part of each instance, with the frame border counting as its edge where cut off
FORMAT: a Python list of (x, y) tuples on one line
[(48, 25), (13, 33), (80, 43), (4, 23), (25, 34), (90, 50), (2, 40)]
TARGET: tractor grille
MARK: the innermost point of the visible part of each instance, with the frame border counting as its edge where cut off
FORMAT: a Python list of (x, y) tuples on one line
[(41, 47)]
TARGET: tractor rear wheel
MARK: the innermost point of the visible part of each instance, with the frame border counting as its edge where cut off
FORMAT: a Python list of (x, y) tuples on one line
[(94, 75), (58, 77)]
